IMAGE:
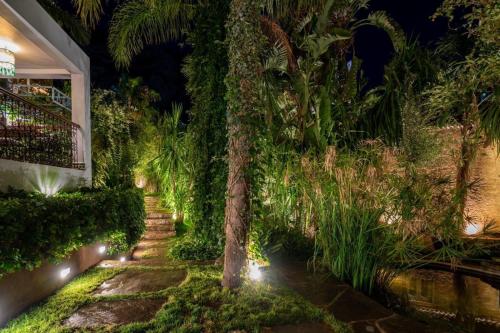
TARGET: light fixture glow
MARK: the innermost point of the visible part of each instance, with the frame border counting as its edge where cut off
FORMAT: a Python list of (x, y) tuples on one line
[(7, 63), (174, 216), (7, 58), (472, 229), (122, 259), (102, 249), (254, 272), (64, 272)]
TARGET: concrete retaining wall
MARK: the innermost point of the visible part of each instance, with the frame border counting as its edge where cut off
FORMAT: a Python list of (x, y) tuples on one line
[(20, 290)]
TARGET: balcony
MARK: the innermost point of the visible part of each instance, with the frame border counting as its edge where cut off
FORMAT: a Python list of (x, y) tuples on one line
[(45, 136), (30, 133)]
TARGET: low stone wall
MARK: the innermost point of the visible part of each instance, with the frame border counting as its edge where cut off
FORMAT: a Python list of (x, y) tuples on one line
[(20, 290)]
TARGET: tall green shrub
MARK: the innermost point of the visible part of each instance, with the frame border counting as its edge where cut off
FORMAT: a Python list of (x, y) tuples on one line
[(113, 154), (206, 69)]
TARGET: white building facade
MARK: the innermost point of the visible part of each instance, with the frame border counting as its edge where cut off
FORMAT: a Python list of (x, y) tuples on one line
[(41, 150)]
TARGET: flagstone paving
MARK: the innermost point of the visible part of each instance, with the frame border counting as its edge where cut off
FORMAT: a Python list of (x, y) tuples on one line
[(133, 281), (362, 313), (300, 328), (150, 252), (107, 313)]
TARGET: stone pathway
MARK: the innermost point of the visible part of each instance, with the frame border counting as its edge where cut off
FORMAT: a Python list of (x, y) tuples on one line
[(362, 313), (150, 252), (117, 301)]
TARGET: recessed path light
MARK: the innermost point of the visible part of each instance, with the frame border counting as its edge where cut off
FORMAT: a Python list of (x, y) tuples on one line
[(64, 272), (102, 249)]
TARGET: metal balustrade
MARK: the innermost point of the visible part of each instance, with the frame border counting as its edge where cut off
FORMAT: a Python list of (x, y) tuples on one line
[(30, 133), (39, 92)]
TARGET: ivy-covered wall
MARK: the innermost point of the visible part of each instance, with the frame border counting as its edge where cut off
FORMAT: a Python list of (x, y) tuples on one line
[(206, 69)]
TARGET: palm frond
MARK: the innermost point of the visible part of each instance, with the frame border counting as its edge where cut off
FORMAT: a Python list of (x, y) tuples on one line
[(277, 35), (380, 20), (138, 23), (67, 21), (90, 11)]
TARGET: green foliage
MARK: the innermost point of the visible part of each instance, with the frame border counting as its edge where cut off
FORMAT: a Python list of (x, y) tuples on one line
[(138, 23), (169, 166), (196, 247), (206, 139), (36, 228), (113, 153), (67, 21)]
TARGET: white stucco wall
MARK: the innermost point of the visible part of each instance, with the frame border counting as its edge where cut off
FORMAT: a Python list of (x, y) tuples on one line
[(42, 178)]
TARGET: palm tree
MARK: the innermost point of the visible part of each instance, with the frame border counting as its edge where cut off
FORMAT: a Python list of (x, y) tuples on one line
[(67, 21), (468, 89), (242, 96)]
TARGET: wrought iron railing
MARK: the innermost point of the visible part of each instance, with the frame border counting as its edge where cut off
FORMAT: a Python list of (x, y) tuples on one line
[(30, 133), (48, 94)]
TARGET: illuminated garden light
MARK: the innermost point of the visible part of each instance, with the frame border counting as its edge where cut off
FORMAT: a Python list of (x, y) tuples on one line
[(123, 259), (64, 272), (7, 58), (254, 272), (472, 229), (102, 249), (174, 216)]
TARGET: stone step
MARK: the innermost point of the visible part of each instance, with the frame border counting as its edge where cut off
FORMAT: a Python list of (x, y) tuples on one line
[(158, 215), (155, 235), (161, 227), (148, 253), (150, 244), (158, 221)]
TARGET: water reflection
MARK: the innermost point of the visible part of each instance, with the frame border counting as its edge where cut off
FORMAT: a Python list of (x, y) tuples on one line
[(464, 299)]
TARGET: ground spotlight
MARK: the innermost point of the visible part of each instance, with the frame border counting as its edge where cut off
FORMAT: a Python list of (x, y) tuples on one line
[(64, 272), (254, 271), (102, 249)]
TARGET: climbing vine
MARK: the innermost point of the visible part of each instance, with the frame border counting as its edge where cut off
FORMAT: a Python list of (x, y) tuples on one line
[(206, 69)]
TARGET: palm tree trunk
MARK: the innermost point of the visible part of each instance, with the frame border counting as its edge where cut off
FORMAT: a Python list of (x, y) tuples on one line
[(470, 124), (242, 97)]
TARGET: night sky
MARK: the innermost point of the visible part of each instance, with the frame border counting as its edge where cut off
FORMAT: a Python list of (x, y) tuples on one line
[(160, 66)]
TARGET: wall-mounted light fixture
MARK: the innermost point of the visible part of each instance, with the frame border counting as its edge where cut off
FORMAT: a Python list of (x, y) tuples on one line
[(7, 58)]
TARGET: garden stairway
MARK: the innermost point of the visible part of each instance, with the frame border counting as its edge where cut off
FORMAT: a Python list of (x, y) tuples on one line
[(160, 226)]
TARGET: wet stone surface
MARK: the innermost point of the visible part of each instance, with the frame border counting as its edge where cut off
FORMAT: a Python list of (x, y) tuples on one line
[(114, 313), (300, 328), (362, 313), (132, 281)]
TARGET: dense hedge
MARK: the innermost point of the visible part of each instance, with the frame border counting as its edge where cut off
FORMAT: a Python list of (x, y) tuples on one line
[(34, 228)]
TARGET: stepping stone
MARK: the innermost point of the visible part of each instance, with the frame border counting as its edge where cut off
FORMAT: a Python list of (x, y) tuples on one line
[(158, 235), (397, 323), (148, 244), (161, 227), (352, 306), (367, 327), (300, 328), (114, 313), (136, 281), (149, 253), (152, 222), (158, 215)]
